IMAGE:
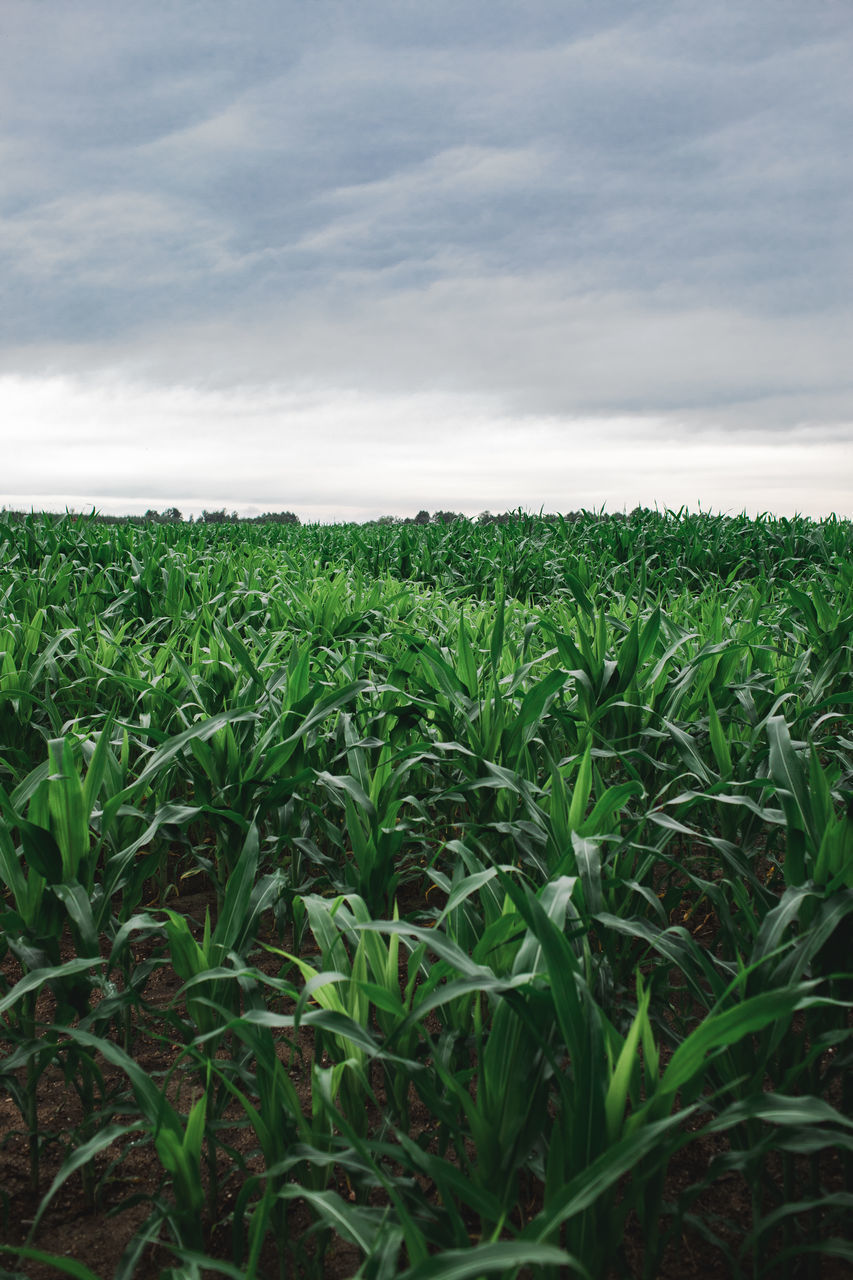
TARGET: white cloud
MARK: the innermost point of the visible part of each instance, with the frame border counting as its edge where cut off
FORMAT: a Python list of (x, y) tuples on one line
[(125, 447)]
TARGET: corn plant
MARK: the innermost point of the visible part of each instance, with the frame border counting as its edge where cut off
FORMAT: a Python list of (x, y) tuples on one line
[(553, 818)]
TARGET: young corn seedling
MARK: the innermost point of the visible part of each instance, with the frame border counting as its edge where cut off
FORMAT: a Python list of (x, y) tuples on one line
[(211, 989), (52, 879), (178, 1146)]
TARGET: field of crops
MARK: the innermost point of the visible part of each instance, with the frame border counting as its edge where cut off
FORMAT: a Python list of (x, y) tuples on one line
[(432, 901)]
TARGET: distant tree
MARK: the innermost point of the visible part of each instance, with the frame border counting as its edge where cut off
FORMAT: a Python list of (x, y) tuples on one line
[(233, 517), (446, 517), (151, 514), (276, 517), (171, 515), (422, 517)]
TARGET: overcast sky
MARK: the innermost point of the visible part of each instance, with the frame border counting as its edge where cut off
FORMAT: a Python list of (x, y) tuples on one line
[(366, 257)]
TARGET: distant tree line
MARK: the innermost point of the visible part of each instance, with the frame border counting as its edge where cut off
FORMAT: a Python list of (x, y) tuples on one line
[(269, 517), (423, 517), (171, 515), (450, 517)]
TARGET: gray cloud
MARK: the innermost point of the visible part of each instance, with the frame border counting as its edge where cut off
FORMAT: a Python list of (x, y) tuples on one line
[(563, 212)]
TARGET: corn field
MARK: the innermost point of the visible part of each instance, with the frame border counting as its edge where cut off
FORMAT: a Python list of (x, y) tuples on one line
[(420, 901)]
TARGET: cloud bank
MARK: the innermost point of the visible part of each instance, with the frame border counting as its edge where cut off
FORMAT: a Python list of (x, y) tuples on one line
[(376, 257)]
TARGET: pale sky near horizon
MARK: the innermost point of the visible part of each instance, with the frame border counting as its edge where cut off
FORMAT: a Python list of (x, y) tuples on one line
[(350, 259)]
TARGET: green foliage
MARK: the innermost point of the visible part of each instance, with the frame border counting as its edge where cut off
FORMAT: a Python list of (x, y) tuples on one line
[(548, 825)]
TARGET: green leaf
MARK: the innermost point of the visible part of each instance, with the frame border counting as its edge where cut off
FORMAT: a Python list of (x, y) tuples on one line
[(626, 1066), (235, 914), (719, 742), (629, 654), (502, 1255), (67, 1266), (720, 1029), (38, 977), (576, 587), (68, 818), (496, 641), (78, 904), (96, 770), (539, 697), (789, 777), (466, 661), (648, 636), (174, 746), (41, 851), (582, 788), (600, 821), (80, 1156)]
